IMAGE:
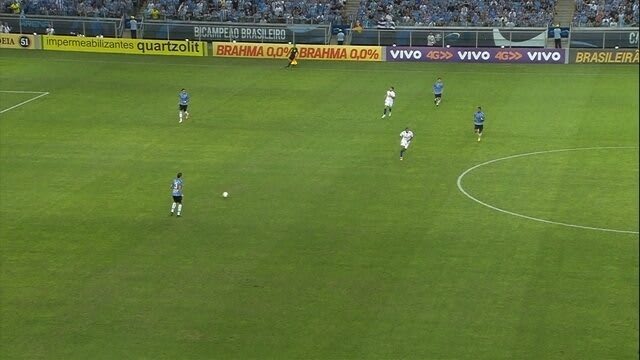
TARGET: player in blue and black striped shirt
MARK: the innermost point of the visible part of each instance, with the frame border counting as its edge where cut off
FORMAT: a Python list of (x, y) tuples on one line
[(183, 103), (478, 122), (176, 193), (438, 88)]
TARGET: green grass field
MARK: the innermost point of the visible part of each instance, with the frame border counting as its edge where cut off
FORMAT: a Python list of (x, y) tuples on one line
[(328, 247)]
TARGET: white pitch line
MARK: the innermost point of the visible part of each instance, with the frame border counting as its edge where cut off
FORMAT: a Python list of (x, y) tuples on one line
[(22, 92), (24, 102), (459, 182)]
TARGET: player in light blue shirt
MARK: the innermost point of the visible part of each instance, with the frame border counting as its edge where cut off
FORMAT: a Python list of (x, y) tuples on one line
[(183, 103), (438, 88), (478, 122), (176, 193)]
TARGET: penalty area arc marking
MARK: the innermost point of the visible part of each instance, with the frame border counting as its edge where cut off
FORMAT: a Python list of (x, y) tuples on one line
[(462, 190), (42, 93)]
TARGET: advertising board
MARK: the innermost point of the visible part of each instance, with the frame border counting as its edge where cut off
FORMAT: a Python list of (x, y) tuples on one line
[(470, 55), (604, 56), (305, 51), (124, 46), (17, 41)]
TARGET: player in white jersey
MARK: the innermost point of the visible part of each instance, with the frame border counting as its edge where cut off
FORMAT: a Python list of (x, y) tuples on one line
[(388, 102), (405, 140)]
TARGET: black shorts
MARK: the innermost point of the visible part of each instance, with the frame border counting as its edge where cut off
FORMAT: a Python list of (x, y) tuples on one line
[(438, 95), (183, 107), (177, 199), (478, 127), (292, 57)]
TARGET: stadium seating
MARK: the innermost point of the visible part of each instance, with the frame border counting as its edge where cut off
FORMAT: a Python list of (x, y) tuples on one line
[(606, 13), (99, 8), (266, 11), (388, 13)]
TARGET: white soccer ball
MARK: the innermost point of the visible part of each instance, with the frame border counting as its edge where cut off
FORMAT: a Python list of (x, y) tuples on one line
[(225, 194)]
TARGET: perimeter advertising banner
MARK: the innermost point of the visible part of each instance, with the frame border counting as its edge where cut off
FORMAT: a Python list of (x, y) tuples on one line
[(257, 33), (17, 41), (453, 36), (480, 55), (604, 56), (124, 46), (308, 52)]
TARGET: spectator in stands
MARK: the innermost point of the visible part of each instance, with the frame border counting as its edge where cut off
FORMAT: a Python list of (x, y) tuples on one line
[(459, 13), (50, 30), (357, 27), (15, 7), (606, 13), (133, 26), (386, 22), (316, 11), (100, 8), (250, 10)]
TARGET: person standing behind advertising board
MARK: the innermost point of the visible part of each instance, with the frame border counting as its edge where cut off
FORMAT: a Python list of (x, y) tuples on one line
[(133, 25), (340, 37), (557, 36), (50, 30), (431, 40)]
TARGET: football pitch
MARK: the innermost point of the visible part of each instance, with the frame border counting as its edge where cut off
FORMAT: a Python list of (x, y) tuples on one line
[(521, 246)]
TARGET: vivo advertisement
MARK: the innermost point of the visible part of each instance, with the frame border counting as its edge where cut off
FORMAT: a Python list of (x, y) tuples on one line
[(479, 55)]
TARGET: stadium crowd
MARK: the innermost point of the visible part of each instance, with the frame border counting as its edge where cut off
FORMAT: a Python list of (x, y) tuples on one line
[(607, 13), (509, 13), (371, 13), (265, 11), (99, 8)]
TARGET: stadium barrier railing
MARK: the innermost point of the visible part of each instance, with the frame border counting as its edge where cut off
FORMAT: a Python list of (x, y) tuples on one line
[(63, 25), (451, 36), (578, 37), (603, 38)]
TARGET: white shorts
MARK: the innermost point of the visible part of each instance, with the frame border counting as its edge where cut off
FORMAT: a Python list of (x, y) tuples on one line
[(388, 102), (405, 144)]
